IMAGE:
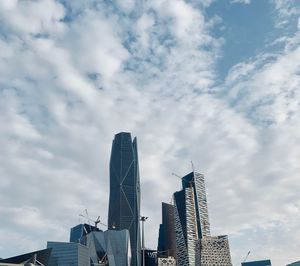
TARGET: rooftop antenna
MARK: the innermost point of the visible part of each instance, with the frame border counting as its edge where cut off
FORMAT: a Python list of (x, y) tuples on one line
[(192, 166)]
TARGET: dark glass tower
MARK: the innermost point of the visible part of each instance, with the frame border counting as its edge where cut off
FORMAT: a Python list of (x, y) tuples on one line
[(167, 237), (124, 198)]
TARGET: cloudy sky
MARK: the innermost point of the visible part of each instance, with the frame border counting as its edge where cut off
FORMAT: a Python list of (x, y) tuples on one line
[(215, 82)]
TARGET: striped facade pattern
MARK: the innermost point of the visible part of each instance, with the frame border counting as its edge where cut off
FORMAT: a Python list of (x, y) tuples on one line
[(202, 203), (186, 242), (191, 225), (182, 253)]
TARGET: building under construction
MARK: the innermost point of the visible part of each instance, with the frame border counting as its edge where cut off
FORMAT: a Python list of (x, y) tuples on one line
[(194, 244)]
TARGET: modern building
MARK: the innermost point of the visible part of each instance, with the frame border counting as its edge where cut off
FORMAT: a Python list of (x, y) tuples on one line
[(64, 253), (297, 263), (194, 244), (191, 217), (213, 250), (150, 257), (78, 233), (166, 261), (167, 236), (124, 198), (111, 247), (257, 263), (38, 257)]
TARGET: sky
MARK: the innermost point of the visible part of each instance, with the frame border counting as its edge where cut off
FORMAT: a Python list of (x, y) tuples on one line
[(215, 82)]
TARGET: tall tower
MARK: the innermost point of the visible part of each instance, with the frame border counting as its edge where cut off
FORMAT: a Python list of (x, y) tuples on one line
[(195, 245), (191, 217), (167, 238), (124, 197)]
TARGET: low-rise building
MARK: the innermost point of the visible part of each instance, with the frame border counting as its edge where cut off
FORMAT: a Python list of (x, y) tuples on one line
[(213, 250), (257, 263)]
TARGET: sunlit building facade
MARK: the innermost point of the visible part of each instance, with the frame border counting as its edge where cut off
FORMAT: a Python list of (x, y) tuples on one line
[(191, 217)]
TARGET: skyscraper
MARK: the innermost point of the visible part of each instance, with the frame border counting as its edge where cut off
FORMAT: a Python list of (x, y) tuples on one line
[(167, 237), (124, 198), (194, 244), (191, 217)]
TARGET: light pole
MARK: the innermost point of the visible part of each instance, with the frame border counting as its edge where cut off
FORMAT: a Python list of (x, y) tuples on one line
[(143, 219)]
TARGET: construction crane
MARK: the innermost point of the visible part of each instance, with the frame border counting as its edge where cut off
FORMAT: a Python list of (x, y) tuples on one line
[(246, 256), (192, 166), (190, 183), (91, 220), (176, 175)]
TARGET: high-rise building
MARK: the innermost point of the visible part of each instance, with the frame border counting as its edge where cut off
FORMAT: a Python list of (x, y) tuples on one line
[(191, 217), (167, 237), (124, 198), (194, 244), (257, 263), (195, 183)]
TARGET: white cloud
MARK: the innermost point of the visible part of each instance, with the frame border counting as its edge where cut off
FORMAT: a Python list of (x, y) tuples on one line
[(265, 89), (8, 4), (33, 17), (241, 1)]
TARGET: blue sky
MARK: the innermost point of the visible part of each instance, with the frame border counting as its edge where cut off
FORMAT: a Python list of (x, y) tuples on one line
[(216, 82), (243, 38)]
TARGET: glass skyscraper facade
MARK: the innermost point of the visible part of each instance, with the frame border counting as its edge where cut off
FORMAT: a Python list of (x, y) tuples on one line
[(64, 253), (167, 237), (111, 247), (124, 197), (78, 233)]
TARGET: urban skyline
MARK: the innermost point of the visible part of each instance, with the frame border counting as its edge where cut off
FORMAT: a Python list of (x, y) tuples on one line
[(184, 235), (215, 82)]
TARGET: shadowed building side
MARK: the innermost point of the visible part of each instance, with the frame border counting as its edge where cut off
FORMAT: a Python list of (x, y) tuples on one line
[(257, 263), (167, 237), (124, 198), (40, 255)]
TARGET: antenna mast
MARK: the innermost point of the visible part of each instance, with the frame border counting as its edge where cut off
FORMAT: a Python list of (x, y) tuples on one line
[(192, 166)]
